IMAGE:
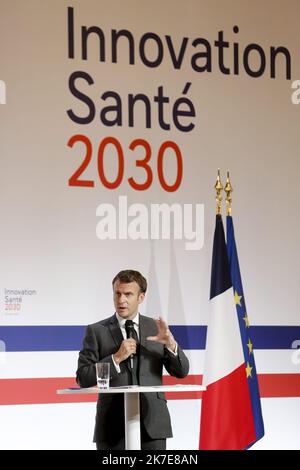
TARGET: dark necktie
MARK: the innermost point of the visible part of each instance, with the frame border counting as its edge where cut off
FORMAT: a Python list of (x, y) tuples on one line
[(133, 360)]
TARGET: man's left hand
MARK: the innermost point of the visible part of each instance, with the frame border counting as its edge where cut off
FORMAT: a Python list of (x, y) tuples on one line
[(164, 335)]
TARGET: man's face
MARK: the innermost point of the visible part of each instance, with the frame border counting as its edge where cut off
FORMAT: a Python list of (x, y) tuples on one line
[(127, 298)]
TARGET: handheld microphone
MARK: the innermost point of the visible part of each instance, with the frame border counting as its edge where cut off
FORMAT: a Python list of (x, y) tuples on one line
[(129, 327)]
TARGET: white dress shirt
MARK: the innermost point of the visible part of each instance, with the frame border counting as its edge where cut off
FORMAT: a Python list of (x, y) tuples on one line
[(136, 324)]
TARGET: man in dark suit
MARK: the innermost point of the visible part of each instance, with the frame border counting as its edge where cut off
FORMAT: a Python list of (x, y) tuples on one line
[(118, 340)]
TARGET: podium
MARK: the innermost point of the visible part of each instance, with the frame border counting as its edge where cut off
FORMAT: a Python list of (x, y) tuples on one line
[(132, 404)]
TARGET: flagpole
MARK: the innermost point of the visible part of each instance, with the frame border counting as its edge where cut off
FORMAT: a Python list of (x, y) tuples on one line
[(218, 188), (228, 190)]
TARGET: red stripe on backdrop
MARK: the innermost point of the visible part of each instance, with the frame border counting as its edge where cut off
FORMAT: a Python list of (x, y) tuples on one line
[(43, 390), (279, 385)]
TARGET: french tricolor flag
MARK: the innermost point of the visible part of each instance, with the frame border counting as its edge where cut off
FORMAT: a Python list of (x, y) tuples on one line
[(231, 412)]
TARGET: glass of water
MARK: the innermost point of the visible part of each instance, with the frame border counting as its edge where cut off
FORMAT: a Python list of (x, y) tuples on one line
[(102, 374)]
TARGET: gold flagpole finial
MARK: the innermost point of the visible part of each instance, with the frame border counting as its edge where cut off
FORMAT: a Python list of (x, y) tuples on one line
[(218, 188), (228, 190)]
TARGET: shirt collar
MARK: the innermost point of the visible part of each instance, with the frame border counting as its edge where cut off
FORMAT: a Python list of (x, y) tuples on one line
[(122, 321)]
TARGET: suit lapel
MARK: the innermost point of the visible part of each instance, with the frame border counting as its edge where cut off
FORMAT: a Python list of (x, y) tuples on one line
[(144, 331), (115, 330), (116, 333)]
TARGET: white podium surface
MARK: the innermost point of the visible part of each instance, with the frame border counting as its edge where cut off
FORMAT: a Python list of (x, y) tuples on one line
[(132, 404)]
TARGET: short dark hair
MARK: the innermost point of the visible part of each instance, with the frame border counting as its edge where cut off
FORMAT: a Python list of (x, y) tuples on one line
[(129, 275)]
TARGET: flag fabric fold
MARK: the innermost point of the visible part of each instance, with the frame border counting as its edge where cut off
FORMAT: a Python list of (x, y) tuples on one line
[(230, 414)]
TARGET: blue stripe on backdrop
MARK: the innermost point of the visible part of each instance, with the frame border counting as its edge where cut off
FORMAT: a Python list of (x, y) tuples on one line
[(42, 338), (69, 338)]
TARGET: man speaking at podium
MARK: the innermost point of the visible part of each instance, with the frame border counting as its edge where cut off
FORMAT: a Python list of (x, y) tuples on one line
[(137, 347)]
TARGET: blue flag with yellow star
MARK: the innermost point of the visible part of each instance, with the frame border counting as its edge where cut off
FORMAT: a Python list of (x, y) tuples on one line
[(244, 329)]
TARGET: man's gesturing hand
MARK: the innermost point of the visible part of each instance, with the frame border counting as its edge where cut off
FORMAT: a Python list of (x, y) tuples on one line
[(164, 335)]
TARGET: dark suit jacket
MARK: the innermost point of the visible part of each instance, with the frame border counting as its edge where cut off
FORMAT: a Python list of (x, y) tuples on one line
[(103, 339)]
